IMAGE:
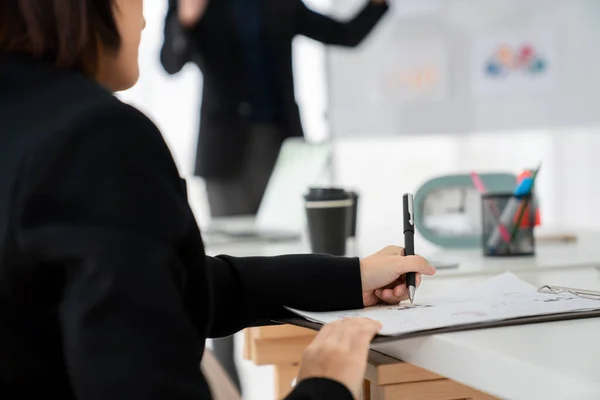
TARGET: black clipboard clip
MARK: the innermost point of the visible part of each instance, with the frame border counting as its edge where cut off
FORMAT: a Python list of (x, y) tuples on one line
[(586, 294)]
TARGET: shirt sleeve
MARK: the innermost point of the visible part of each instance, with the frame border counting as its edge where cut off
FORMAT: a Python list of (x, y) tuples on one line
[(103, 210), (330, 31), (250, 289), (320, 389), (176, 50)]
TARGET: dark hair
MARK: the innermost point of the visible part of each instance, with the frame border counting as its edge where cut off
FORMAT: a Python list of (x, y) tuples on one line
[(66, 33)]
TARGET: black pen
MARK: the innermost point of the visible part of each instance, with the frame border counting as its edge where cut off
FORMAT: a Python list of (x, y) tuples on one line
[(409, 241)]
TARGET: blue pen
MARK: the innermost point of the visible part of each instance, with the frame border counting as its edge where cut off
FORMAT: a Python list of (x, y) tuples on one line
[(509, 211)]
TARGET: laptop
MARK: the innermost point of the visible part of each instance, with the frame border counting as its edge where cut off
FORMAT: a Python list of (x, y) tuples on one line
[(280, 217)]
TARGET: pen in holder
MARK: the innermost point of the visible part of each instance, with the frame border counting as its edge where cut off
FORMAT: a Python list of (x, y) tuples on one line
[(508, 224)]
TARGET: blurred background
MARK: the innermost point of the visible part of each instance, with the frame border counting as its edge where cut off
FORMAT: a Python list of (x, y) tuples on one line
[(439, 87), (389, 138)]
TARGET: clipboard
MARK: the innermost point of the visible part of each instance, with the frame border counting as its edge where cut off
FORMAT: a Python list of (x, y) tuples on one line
[(586, 294), (536, 319)]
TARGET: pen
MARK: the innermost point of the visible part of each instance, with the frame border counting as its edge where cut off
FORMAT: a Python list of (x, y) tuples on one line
[(524, 206), (409, 241)]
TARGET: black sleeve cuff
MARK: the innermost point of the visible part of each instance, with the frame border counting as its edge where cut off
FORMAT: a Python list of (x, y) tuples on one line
[(310, 282), (175, 51), (320, 389)]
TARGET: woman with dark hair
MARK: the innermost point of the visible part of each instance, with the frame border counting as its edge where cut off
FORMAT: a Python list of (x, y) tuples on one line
[(105, 290)]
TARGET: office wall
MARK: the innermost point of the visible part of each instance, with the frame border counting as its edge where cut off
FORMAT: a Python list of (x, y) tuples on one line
[(384, 168), (387, 146), (421, 71)]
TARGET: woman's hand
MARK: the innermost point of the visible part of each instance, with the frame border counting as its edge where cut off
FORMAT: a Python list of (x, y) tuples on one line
[(339, 352), (383, 275), (190, 11)]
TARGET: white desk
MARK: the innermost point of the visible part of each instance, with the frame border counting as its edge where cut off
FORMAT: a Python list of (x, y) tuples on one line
[(584, 252), (546, 361), (558, 360)]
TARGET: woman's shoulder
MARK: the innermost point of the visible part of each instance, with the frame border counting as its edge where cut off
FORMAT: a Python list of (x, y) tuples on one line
[(92, 107), (62, 130), (86, 112), (86, 121)]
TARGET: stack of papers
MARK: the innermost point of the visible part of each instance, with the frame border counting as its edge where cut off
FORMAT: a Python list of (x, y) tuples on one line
[(504, 297)]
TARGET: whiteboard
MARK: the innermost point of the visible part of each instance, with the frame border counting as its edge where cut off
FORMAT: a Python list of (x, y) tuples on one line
[(427, 68)]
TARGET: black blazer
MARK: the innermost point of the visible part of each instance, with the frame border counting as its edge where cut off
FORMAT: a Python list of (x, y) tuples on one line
[(212, 45), (105, 290)]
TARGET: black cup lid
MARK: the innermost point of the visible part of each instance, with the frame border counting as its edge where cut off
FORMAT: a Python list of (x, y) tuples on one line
[(326, 194)]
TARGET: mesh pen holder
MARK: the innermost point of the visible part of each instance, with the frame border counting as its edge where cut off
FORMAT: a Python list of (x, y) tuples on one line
[(508, 224)]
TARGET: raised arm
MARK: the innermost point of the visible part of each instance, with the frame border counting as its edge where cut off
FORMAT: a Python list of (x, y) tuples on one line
[(344, 33), (103, 211)]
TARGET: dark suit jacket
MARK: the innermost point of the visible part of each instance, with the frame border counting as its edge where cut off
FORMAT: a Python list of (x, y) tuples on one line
[(105, 290), (212, 45)]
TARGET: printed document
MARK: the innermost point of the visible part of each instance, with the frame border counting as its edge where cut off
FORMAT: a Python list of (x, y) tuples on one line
[(500, 298)]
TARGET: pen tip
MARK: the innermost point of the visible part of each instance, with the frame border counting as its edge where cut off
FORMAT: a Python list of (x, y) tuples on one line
[(411, 294)]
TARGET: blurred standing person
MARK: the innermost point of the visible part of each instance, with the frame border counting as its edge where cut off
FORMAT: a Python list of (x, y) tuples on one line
[(244, 50)]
